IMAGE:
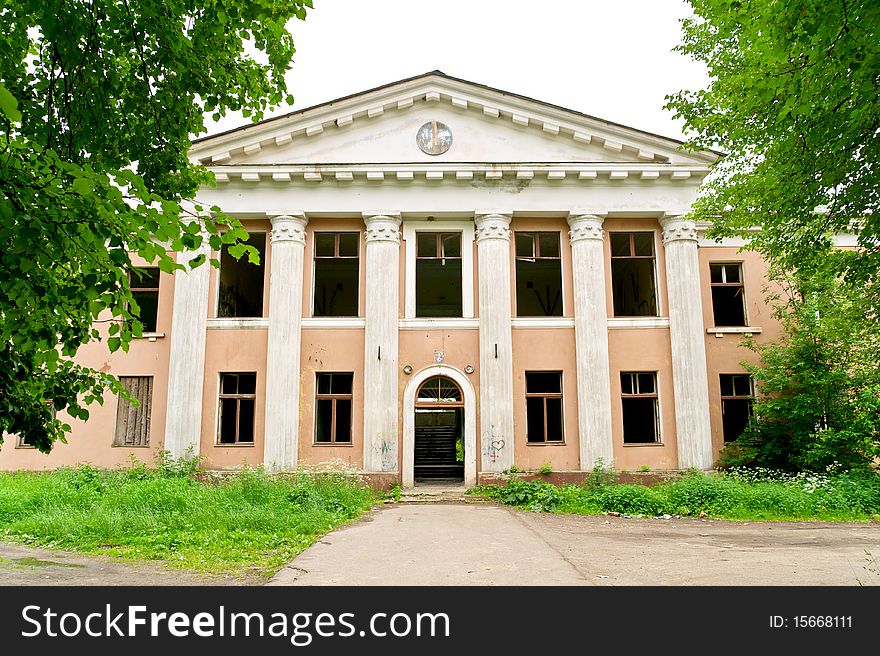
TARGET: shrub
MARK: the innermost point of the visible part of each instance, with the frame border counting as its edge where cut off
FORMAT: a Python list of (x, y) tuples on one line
[(533, 495)]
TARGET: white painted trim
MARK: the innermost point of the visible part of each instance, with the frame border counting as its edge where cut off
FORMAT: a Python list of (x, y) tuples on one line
[(334, 322), (151, 336), (846, 240), (542, 322), (616, 323), (470, 422), (448, 173), (734, 330), (234, 323), (442, 323), (466, 227), (486, 102)]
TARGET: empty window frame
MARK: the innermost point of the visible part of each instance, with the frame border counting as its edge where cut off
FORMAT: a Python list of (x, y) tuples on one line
[(737, 395), (238, 393), (133, 423), (144, 285), (438, 274), (336, 274), (633, 274), (641, 412), (538, 274), (728, 297), (544, 407), (241, 283), (333, 408), (26, 442)]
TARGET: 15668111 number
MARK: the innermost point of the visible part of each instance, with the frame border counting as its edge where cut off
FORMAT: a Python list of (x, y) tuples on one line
[(811, 622), (822, 621)]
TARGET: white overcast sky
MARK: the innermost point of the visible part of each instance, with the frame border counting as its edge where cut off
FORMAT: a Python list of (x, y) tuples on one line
[(612, 59)]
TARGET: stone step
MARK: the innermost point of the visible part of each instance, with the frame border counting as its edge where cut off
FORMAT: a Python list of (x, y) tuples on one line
[(438, 494)]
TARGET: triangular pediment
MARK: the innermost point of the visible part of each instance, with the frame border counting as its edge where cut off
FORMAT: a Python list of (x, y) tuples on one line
[(487, 125)]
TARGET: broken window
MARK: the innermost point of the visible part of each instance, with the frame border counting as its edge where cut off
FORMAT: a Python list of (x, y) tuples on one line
[(641, 417), (241, 283), (336, 274), (633, 277), (238, 393), (544, 406), (737, 394), (728, 306), (144, 285), (133, 423), (26, 442), (333, 408), (538, 275), (438, 274)]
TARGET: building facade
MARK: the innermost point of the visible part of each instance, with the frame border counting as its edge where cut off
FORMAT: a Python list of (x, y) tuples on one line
[(453, 280)]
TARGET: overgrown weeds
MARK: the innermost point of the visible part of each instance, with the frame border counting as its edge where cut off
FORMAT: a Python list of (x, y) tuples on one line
[(247, 522), (732, 495)]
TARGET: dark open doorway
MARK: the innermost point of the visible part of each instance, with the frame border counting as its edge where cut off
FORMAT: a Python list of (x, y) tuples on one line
[(439, 431)]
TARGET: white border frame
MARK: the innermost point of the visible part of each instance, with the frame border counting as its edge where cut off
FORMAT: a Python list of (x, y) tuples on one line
[(466, 227), (409, 421)]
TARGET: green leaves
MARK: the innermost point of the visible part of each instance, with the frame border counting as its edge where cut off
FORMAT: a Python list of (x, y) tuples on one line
[(798, 120), (814, 382), (94, 173), (9, 105)]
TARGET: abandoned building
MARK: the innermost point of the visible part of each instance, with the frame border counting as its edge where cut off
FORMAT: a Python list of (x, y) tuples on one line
[(453, 280)]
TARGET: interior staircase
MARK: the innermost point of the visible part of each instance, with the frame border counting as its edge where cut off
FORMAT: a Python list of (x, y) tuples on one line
[(435, 453)]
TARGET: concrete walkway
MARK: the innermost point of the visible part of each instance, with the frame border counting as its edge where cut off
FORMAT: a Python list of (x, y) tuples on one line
[(476, 544), (23, 565), (432, 544)]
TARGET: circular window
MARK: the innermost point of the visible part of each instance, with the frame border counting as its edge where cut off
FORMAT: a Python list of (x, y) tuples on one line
[(434, 138)]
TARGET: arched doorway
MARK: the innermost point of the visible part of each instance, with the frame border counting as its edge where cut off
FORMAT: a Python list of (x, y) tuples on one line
[(438, 431), (454, 392)]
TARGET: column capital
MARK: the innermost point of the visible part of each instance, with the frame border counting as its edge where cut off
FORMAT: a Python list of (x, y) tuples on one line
[(492, 224), (382, 226), (678, 228), (585, 225), (288, 227)]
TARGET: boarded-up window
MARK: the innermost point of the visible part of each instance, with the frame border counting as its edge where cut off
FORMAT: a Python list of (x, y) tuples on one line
[(133, 423)]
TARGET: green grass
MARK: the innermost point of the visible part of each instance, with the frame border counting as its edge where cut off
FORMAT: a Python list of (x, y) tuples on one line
[(766, 496), (249, 523)]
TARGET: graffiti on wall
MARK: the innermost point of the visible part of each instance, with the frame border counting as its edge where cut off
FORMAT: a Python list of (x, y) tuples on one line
[(493, 446), (386, 452)]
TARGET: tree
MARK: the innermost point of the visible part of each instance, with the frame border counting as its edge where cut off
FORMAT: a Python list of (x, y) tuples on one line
[(819, 386), (794, 99), (98, 99)]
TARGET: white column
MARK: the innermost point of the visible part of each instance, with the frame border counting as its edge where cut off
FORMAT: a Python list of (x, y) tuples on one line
[(281, 436), (496, 348), (687, 337), (186, 369), (591, 339), (382, 272)]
